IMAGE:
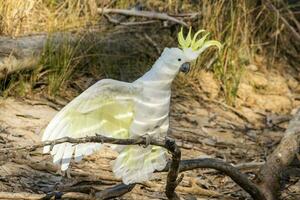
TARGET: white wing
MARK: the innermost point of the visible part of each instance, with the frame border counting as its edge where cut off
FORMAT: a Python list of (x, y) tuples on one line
[(106, 108)]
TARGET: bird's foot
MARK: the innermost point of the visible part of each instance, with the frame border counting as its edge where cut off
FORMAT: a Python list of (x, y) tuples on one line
[(66, 173), (148, 140)]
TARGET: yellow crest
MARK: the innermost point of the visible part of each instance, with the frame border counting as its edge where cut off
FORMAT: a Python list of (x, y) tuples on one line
[(194, 43)]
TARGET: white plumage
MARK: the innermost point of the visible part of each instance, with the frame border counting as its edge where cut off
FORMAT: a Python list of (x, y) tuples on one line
[(122, 110)]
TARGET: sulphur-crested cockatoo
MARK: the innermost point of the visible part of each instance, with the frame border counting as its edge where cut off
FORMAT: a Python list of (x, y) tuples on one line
[(126, 110)]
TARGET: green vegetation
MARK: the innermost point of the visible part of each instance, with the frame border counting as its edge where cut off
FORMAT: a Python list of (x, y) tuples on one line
[(59, 61)]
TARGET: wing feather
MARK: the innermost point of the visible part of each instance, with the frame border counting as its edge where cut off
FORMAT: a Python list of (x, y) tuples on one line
[(105, 108)]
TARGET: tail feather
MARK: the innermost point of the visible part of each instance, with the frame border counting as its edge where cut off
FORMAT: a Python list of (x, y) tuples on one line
[(59, 153), (80, 150), (137, 164), (87, 149), (66, 158), (54, 150), (63, 153)]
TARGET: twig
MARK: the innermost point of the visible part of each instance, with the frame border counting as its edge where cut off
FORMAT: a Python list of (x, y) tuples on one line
[(241, 166), (282, 157), (57, 195), (117, 22), (115, 191), (186, 15), (273, 120), (172, 181), (110, 3), (21, 195), (146, 14), (294, 32), (238, 177), (212, 61), (174, 167), (89, 139), (153, 43), (75, 195), (232, 109), (248, 165)]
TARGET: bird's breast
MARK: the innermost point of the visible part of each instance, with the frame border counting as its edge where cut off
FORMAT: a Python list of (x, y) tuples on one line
[(151, 111)]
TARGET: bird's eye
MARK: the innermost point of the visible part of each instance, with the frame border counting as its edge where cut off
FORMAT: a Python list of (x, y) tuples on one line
[(179, 59)]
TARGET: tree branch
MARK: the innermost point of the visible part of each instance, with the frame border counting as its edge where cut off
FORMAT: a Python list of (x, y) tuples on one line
[(115, 191), (174, 167), (56, 195), (172, 181), (231, 171), (146, 14), (117, 22), (90, 139)]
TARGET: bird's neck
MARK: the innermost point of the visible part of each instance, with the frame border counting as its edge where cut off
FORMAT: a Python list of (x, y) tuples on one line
[(160, 76)]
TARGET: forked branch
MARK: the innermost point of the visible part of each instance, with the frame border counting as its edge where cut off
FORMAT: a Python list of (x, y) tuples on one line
[(175, 166)]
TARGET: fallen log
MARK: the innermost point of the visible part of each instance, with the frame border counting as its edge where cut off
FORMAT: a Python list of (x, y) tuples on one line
[(24, 52)]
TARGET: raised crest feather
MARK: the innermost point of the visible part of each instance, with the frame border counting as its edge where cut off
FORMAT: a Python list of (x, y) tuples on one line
[(196, 44)]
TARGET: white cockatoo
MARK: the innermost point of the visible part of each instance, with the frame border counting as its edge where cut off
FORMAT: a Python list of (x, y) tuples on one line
[(126, 110)]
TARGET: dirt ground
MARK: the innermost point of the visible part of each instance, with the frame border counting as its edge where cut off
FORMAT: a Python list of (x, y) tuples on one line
[(202, 124)]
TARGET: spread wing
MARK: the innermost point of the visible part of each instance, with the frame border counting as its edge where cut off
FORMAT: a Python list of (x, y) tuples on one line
[(106, 108)]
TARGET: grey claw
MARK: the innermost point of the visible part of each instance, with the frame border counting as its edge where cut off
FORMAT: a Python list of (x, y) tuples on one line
[(148, 140)]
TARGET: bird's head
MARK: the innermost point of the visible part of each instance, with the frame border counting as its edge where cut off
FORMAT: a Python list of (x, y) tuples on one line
[(190, 47)]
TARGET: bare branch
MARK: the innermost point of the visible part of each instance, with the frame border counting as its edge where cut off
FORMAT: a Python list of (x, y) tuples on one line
[(21, 195), (89, 139), (153, 43), (174, 167), (146, 14), (117, 22), (172, 181), (290, 27), (238, 177), (115, 191), (57, 195)]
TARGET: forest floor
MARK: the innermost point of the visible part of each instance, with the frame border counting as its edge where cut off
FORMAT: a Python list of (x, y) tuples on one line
[(202, 124)]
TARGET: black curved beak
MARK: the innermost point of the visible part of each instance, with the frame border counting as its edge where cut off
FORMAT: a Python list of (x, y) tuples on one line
[(185, 67)]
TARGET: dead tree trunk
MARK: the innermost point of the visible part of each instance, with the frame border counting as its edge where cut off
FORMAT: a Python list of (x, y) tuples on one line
[(271, 172)]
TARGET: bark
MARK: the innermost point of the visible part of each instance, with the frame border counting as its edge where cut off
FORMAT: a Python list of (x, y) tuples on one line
[(271, 172), (172, 180)]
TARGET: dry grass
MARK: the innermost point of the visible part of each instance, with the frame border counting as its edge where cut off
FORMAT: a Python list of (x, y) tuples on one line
[(231, 23), (59, 62), (246, 28), (19, 17)]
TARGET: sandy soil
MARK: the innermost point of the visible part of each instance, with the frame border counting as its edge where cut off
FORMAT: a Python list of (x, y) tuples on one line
[(202, 124)]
